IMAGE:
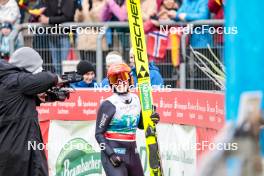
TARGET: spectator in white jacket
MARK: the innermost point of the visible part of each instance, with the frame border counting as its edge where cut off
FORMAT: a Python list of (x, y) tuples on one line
[(9, 11)]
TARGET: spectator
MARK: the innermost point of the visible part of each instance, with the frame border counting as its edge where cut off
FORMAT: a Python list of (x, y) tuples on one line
[(87, 70), (115, 10), (6, 29), (148, 8), (155, 76), (23, 4), (217, 8), (89, 13), (161, 15), (58, 11), (159, 41), (166, 6), (192, 10), (112, 58), (9, 11), (32, 7)]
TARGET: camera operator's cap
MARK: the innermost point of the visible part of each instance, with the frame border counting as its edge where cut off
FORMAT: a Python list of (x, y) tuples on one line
[(28, 59), (113, 59), (83, 67), (6, 25)]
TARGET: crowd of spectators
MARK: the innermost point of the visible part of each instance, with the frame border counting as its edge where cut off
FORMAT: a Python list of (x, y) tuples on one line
[(54, 12), (87, 70)]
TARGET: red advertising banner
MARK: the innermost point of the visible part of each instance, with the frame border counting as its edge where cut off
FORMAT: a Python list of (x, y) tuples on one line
[(197, 108)]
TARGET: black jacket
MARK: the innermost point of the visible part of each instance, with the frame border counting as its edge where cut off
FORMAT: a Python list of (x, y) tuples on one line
[(19, 124), (59, 11)]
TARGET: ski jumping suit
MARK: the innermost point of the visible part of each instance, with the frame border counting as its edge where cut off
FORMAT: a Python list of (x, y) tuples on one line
[(118, 118)]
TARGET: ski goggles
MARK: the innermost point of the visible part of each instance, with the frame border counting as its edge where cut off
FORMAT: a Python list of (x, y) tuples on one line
[(115, 79)]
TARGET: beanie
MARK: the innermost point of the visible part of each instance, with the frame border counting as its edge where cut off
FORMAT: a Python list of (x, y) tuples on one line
[(83, 67), (28, 59), (7, 25)]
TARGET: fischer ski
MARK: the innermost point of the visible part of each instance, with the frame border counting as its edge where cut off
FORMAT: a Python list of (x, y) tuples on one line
[(143, 75)]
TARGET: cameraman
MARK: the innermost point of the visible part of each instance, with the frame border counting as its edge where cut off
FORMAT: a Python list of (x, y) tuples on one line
[(21, 81)]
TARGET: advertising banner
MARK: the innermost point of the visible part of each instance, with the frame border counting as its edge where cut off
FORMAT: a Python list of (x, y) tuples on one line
[(197, 108), (73, 150)]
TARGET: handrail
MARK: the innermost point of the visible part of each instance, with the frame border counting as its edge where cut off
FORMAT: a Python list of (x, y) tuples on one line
[(112, 24)]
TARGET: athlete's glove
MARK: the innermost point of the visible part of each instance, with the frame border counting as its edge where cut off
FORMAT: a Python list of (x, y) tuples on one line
[(155, 117), (115, 160)]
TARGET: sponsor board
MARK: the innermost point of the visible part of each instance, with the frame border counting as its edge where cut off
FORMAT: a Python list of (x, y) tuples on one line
[(197, 108), (75, 152)]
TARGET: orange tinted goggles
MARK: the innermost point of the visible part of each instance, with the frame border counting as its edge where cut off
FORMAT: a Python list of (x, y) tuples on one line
[(124, 76)]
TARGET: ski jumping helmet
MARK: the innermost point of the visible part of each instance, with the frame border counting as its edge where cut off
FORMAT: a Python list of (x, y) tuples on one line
[(119, 72)]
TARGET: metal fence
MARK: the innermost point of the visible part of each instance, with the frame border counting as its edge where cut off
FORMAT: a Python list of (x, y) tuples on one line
[(211, 45), (93, 47)]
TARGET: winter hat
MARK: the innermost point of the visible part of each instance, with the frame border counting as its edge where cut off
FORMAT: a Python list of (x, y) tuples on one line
[(7, 25), (112, 58), (83, 67), (28, 59)]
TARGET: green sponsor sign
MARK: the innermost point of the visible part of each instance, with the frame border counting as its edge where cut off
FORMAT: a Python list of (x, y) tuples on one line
[(145, 90), (77, 158)]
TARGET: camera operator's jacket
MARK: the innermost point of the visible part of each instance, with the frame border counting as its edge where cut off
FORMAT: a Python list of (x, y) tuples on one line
[(19, 121)]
